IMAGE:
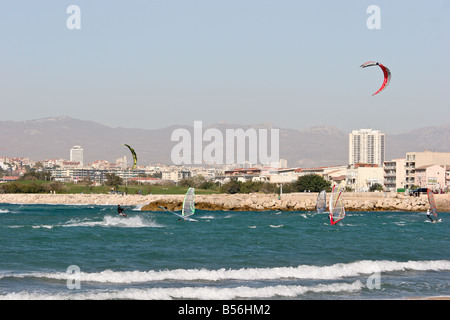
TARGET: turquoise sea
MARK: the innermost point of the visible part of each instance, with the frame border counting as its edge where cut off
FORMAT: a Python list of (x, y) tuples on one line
[(89, 252)]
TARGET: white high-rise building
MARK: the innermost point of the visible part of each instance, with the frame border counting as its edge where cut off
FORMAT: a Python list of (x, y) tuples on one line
[(76, 154), (366, 146)]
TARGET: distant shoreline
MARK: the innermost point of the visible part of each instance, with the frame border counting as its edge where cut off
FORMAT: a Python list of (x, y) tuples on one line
[(74, 199), (238, 202)]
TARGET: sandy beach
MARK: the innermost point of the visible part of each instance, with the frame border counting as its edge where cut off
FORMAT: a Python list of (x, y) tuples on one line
[(239, 202)]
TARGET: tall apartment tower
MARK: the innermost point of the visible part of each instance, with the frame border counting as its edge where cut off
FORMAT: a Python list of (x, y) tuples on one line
[(76, 154), (366, 146)]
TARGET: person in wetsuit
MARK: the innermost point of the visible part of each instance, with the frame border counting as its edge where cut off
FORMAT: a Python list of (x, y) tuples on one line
[(120, 211), (429, 215)]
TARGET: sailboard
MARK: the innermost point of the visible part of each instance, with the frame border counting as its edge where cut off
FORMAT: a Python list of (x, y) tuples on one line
[(321, 202), (188, 206), (433, 209), (337, 209), (179, 215)]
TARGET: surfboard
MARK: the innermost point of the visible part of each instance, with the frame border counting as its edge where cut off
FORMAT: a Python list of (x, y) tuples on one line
[(180, 216)]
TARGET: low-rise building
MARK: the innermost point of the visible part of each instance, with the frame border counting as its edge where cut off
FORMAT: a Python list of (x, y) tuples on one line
[(8, 179), (431, 177), (362, 176), (175, 175), (419, 159), (145, 180)]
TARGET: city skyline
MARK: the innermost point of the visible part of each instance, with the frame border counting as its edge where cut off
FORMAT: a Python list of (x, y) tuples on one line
[(294, 64), (365, 147), (423, 169), (51, 138)]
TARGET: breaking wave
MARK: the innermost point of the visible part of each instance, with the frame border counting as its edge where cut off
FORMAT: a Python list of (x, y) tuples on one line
[(203, 293), (333, 272), (222, 283)]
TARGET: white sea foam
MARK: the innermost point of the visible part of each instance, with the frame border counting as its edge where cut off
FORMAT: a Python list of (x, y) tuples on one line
[(207, 217), (42, 226), (114, 221), (213, 216), (332, 272), (107, 221), (276, 226), (203, 293), (4, 211), (45, 226)]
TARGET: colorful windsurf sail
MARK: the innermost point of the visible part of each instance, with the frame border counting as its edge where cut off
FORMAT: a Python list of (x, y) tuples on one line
[(337, 209), (433, 209), (321, 202), (133, 153), (386, 73)]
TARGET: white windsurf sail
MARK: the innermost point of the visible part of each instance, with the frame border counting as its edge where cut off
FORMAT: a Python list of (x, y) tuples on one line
[(432, 203), (321, 202), (337, 210), (189, 203)]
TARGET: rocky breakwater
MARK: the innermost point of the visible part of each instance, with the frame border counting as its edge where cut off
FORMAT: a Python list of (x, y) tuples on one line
[(241, 202), (299, 202)]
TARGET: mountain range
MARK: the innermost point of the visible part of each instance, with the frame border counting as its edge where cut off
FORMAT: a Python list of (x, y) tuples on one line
[(52, 138)]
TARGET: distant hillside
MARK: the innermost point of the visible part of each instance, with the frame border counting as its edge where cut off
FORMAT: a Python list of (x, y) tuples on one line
[(436, 139), (51, 138)]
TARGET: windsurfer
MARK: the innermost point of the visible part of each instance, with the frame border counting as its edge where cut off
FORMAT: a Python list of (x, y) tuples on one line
[(120, 211), (429, 215)]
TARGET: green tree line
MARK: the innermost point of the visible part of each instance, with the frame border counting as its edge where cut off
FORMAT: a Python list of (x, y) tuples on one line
[(33, 187), (40, 182), (308, 183)]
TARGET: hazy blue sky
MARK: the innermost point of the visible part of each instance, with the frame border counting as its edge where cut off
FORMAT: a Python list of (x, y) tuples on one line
[(292, 63)]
